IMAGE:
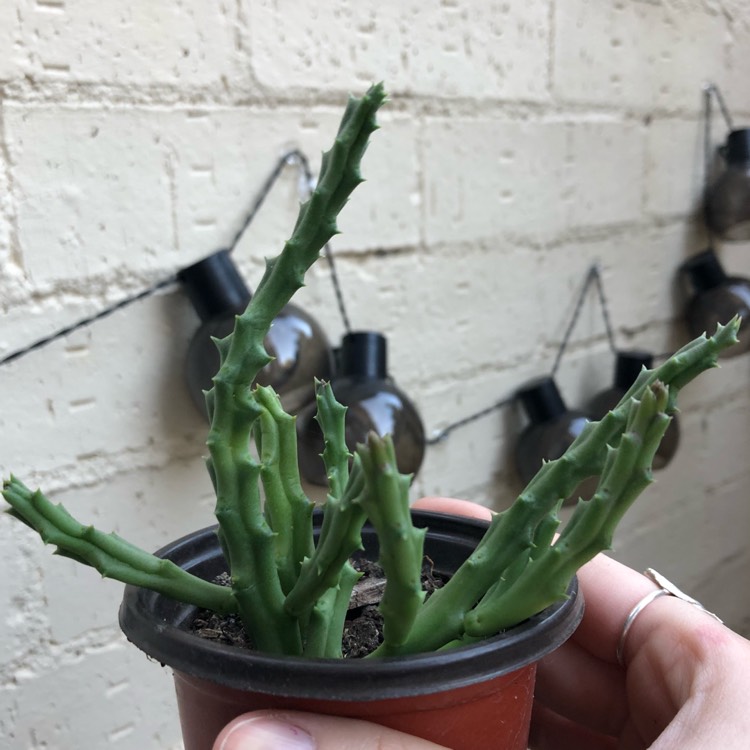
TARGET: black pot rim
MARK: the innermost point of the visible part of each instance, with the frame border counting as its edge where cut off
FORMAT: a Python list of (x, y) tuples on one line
[(339, 679)]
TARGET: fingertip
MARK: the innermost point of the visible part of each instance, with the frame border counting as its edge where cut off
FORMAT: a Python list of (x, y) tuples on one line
[(298, 730), (453, 506), (263, 731)]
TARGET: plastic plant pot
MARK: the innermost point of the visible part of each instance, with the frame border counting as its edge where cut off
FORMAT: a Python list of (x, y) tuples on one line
[(463, 698)]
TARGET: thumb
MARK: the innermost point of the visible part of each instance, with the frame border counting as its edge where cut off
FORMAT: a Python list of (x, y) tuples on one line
[(292, 730)]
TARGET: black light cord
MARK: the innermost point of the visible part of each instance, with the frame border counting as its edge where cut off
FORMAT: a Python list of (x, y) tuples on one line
[(290, 158), (106, 312)]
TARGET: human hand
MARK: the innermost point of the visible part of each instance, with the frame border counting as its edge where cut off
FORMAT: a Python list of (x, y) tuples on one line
[(684, 683)]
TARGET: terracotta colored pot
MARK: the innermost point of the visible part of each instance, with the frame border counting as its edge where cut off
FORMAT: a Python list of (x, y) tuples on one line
[(476, 696)]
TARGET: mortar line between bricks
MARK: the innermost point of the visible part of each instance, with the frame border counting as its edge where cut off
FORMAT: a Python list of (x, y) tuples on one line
[(165, 96)]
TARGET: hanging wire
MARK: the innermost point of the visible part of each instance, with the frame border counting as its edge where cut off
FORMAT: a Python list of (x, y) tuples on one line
[(439, 435), (593, 276), (106, 312), (287, 159), (307, 184), (710, 92), (711, 89)]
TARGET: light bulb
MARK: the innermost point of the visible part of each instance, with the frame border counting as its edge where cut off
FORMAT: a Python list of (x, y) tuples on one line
[(716, 298), (551, 430), (373, 401), (728, 198), (296, 342), (628, 366)]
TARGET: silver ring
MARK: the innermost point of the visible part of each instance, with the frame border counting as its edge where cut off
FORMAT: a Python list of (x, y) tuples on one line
[(666, 588)]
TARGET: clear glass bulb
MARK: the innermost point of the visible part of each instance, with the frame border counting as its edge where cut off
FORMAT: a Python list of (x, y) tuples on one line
[(728, 198), (298, 345), (716, 298), (628, 366), (373, 401), (551, 430)]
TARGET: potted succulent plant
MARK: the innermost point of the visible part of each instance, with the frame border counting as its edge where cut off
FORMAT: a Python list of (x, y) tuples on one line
[(456, 667)]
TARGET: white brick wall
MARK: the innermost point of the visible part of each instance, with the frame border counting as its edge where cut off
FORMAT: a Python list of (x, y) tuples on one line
[(187, 45), (525, 140), (447, 49)]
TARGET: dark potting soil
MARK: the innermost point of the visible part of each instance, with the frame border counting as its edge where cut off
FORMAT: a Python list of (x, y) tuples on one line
[(363, 631)]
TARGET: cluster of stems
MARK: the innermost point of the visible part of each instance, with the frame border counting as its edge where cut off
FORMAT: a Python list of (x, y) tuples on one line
[(291, 591)]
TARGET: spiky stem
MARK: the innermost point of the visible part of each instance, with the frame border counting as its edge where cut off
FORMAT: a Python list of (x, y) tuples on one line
[(343, 517), (111, 555), (327, 619), (511, 533), (626, 473), (288, 510), (247, 538), (386, 503)]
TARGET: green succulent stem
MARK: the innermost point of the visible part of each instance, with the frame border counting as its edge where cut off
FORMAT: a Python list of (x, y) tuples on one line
[(386, 503), (331, 416), (340, 536), (343, 517), (511, 534), (288, 510), (260, 579), (626, 473), (327, 620), (111, 555)]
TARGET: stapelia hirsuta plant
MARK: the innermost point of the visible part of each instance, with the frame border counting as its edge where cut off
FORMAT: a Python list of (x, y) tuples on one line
[(291, 591)]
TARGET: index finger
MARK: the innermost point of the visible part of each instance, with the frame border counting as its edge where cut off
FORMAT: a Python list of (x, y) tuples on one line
[(610, 590)]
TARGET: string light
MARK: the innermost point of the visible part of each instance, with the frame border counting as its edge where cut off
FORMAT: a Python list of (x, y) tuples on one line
[(716, 298), (727, 197), (298, 159), (298, 345), (373, 401)]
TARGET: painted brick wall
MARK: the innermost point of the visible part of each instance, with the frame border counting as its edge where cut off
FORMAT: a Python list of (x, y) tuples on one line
[(524, 141)]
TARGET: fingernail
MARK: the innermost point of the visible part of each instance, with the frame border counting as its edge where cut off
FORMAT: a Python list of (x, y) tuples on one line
[(263, 733)]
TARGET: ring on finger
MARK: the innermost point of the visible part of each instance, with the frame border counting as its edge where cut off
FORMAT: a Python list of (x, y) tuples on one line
[(666, 588)]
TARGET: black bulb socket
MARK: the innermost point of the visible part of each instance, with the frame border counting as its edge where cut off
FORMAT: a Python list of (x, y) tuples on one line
[(704, 271), (628, 366), (541, 400), (363, 354), (737, 149), (214, 286)]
